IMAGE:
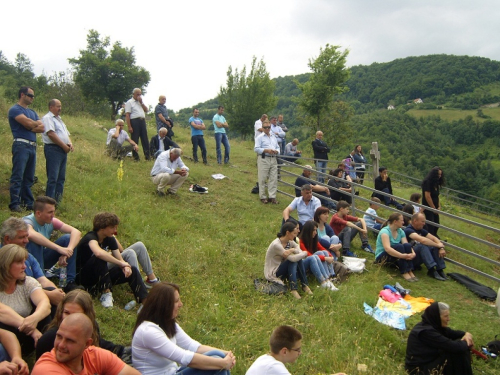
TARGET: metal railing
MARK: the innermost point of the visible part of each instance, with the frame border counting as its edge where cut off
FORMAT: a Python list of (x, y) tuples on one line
[(288, 169)]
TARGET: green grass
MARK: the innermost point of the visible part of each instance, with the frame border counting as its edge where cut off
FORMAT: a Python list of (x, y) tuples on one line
[(213, 245)]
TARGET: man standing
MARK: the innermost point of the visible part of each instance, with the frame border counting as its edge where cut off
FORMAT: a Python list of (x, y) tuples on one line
[(161, 142), (169, 170), (136, 120), (15, 231), (321, 151), (267, 149), (220, 126), (278, 133), (24, 124), (306, 205), (285, 129), (258, 125), (429, 249), (57, 145), (161, 116), (41, 224), (197, 127), (116, 137), (73, 352)]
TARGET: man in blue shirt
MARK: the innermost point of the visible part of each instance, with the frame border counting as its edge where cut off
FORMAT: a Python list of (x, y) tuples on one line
[(24, 124), (220, 126), (197, 127)]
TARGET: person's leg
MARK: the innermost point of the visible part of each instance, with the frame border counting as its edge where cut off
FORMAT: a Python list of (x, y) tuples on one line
[(170, 143), (311, 263), (51, 168), (423, 255), (177, 180), (440, 263), (227, 148), (218, 138), (144, 139), (95, 276), (345, 238), (263, 169), (327, 266), (61, 178), (201, 142), (272, 185), (38, 252), (142, 256), (162, 180), (129, 256), (193, 371), (135, 135), (287, 270), (194, 141), (134, 281), (362, 236), (385, 198), (4, 356), (404, 265), (21, 165)]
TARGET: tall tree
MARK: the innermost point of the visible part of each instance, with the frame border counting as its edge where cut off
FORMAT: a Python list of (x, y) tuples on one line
[(328, 77), (246, 98), (108, 74)]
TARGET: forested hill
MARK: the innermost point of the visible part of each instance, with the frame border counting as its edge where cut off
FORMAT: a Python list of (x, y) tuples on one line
[(433, 78)]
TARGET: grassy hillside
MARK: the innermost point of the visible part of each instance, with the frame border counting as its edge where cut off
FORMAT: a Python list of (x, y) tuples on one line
[(213, 246), (456, 114)]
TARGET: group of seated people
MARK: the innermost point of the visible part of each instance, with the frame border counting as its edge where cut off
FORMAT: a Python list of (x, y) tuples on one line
[(117, 136)]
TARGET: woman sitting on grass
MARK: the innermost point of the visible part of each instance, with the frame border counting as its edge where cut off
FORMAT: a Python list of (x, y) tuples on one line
[(434, 348), (25, 307), (284, 260), (77, 301), (319, 261), (393, 248), (159, 344)]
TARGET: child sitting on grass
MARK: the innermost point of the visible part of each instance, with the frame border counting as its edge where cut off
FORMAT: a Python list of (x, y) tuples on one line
[(371, 218)]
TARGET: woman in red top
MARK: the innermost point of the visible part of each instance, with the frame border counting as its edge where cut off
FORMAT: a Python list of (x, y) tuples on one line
[(319, 260)]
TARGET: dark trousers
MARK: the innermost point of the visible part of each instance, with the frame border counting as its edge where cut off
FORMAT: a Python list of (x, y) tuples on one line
[(96, 277), (446, 364), (23, 175), (140, 131), (403, 264), (198, 140), (431, 216), (55, 166), (26, 341)]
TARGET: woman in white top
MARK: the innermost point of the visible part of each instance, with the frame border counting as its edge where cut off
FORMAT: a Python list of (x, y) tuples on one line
[(160, 346), (18, 294)]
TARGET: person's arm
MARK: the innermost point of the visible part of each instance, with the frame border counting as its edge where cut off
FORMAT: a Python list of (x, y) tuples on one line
[(203, 362), (428, 198), (56, 295), (55, 138), (286, 213), (104, 255), (128, 370), (9, 316), (386, 242), (35, 126), (434, 339), (116, 134), (11, 345), (42, 310), (198, 126), (427, 240), (40, 239), (74, 234)]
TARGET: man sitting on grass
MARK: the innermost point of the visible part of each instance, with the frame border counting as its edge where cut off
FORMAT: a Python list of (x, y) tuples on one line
[(346, 227), (114, 144)]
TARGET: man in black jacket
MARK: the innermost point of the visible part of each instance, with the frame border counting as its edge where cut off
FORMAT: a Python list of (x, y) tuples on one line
[(321, 151), (160, 143)]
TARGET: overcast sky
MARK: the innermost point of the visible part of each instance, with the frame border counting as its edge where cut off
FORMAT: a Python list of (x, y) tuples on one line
[(187, 46)]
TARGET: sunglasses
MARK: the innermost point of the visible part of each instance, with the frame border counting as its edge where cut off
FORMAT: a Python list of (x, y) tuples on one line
[(30, 95), (266, 127)]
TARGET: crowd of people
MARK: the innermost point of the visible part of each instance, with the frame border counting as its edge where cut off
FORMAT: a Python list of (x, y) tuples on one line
[(60, 320)]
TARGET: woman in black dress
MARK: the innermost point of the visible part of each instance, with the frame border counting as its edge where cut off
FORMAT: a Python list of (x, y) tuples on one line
[(433, 348), (430, 197)]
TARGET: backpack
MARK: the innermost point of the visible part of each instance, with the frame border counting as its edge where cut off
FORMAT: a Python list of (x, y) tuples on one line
[(480, 290), (255, 189), (494, 346), (269, 287)]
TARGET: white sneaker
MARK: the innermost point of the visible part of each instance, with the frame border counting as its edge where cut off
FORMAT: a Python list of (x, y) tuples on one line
[(326, 285), (106, 300), (333, 288)]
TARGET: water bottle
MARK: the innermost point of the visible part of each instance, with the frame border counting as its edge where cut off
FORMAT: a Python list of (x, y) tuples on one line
[(130, 305), (52, 271), (63, 277)]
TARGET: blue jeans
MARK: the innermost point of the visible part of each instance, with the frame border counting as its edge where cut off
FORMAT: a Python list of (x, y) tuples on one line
[(403, 264), (48, 257), (222, 137), (23, 175), (428, 256), (198, 140), (313, 263), (327, 241), (321, 167), (4, 356), (194, 371), (328, 267), (288, 270), (55, 166)]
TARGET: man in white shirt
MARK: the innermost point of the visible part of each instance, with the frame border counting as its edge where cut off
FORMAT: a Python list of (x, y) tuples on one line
[(258, 125), (57, 145), (116, 137), (169, 170), (135, 113), (267, 149)]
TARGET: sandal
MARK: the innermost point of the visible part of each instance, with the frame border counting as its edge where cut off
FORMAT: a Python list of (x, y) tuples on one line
[(273, 201), (264, 201)]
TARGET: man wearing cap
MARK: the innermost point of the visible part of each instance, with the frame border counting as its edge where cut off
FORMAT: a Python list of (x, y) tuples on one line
[(24, 124), (136, 120)]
